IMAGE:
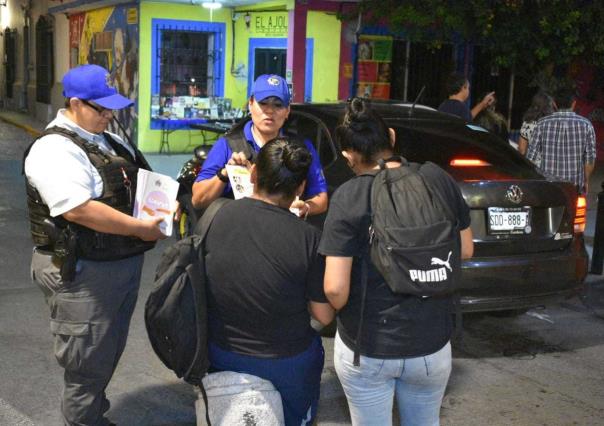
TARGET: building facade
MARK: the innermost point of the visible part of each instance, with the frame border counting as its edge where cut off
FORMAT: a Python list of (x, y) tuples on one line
[(182, 63)]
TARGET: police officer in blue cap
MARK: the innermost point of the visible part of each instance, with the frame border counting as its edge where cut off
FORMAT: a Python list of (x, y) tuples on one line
[(269, 108), (88, 253)]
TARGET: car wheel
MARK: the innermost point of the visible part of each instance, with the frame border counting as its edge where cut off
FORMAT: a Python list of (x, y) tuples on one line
[(188, 217)]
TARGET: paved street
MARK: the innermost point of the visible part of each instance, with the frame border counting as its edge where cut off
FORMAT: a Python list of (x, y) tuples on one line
[(540, 368)]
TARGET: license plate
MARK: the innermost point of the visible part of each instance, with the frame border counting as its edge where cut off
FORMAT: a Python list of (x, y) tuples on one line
[(509, 220)]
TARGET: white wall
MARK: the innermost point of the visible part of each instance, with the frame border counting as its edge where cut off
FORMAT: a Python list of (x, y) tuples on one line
[(24, 89)]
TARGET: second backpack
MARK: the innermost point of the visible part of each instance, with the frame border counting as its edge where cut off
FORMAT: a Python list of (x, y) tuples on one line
[(414, 236)]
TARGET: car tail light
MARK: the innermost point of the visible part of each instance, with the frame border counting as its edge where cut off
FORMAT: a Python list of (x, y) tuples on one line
[(580, 214), (468, 162)]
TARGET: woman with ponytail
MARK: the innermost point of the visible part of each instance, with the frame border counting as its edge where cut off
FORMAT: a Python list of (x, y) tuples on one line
[(264, 279), (404, 342)]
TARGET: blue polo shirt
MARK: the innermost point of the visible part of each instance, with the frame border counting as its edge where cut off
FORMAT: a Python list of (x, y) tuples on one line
[(220, 154)]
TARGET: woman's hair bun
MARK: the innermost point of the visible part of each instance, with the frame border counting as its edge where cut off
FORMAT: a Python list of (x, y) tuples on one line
[(295, 158), (357, 114), (282, 165), (363, 130)]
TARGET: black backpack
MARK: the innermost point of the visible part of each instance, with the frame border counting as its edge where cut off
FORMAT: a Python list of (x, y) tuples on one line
[(414, 236), (414, 239), (176, 310)]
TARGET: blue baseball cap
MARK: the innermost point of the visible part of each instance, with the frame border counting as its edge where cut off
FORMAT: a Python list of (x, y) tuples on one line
[(93, 83), (268, 85)]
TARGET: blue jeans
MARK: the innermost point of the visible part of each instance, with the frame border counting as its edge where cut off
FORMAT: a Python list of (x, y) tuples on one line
[(297, 378), (418, 384)]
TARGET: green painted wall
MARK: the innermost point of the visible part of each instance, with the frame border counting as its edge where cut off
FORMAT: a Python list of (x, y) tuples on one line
[(325, 29)]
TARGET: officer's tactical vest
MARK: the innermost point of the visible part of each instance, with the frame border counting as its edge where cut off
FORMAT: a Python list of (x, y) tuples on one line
[(119, 173)]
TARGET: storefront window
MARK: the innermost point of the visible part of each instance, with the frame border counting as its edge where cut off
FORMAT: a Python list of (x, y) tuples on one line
[(186, 66), (188, 69)]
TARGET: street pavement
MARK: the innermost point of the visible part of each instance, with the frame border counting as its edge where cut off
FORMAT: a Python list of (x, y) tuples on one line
[(544, 367)]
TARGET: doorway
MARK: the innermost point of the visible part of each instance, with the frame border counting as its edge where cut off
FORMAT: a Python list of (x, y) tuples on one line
[(267, 55), (270, 61)]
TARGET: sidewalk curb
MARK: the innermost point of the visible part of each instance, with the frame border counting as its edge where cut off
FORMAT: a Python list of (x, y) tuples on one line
[(28, 129)]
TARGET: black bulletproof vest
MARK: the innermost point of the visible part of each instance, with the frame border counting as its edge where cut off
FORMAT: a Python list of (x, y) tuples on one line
[(119, 174)]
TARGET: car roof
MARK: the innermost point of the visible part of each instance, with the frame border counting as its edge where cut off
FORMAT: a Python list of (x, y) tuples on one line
[(390, 111)]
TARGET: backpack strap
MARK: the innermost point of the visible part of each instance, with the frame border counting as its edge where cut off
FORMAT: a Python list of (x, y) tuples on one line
[(364, 284), (238, 143), (203, 225), (201, 229)]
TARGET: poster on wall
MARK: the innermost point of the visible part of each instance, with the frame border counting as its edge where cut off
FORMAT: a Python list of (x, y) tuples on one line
[(374, 62), (109, 37)]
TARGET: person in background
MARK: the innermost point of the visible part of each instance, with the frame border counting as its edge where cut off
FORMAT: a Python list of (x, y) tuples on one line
[(265, 280), (493, 121), (566, 143), (88, 258), (541, 105), (405, 342), (269, 108), (458, 92)]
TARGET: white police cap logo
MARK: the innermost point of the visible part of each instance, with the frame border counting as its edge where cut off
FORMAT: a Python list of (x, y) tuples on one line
[(108, 81), (273, 81)]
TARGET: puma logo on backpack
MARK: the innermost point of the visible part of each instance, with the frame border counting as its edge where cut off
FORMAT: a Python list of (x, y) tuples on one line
[(437, 261), (414, 236)]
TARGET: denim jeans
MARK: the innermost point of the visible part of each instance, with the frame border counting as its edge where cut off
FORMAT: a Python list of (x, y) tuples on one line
[(417, 383)]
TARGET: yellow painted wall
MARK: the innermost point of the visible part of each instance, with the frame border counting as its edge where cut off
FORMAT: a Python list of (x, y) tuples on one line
[(325, 29), (149, 140), (242, 47)]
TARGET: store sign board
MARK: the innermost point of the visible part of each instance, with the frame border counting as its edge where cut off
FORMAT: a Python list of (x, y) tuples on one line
[(270, 24)]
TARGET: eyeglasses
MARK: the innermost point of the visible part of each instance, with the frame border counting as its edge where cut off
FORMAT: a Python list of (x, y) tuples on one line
[(97, 108)]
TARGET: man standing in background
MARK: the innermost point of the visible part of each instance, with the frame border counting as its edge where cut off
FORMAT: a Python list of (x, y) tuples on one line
[(566, 142), (458, 92)]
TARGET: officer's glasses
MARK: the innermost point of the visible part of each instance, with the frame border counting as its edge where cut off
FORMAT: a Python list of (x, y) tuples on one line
[(101, 110)]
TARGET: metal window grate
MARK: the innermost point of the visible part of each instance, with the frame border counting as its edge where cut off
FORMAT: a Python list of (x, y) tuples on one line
[(186, 59), (10, 63), (44, 59)]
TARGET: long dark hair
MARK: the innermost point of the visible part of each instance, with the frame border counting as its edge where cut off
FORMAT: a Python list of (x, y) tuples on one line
[(541, 105), (363, 130), (281, 166)]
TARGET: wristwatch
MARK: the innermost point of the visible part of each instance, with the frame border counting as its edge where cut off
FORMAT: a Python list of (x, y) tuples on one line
[(222, 177)]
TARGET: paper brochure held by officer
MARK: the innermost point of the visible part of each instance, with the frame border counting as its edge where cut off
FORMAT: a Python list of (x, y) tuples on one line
[(156, 197)]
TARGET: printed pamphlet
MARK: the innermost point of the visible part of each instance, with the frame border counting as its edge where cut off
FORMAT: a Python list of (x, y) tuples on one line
[(156, 197), (239, 176)]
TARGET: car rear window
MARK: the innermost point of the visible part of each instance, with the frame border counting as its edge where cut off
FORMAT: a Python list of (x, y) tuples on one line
[(490, 158)]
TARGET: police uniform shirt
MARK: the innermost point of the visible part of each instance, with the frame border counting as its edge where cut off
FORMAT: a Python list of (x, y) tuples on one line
[(220, 154), (61, 171)]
